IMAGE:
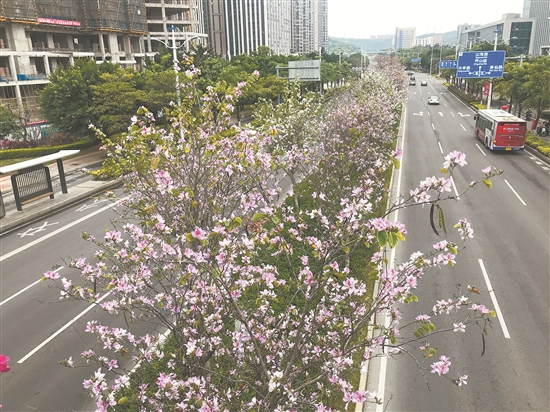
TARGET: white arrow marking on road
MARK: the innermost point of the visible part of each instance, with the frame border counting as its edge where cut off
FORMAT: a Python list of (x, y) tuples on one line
[(418, 114), (441, 114), (34, 230), (89, 206), (463, 115)]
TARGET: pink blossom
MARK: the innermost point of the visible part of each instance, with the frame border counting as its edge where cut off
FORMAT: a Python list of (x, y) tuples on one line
[(51, 274), (442, 366), (198, 233), (4, 367)]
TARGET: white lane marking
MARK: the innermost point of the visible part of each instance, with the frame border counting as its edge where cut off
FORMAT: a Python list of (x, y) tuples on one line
[(453, 114), (546, 168), (445, 104), (481, 150), (533, 157), (516, 193), (26, 288), (463, 128), (429, 114), (494, 299), (433, 127), (55, 232), (384, 359), (440, 148), (69, 323), (539, 163), (454, 187)]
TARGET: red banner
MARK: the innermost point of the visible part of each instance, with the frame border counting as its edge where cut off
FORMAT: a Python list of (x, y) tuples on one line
[(58, 22), (486, 89)]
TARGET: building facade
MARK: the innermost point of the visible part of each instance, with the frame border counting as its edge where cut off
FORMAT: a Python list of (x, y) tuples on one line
[(429, 41), (38, 36), (309, 26), (405, 38), (241, 26), (539, 11), (512, 29), (182, 20)]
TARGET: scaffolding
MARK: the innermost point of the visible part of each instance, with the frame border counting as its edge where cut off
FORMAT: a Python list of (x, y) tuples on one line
[(115, 15), (18, 10), (58, 9)]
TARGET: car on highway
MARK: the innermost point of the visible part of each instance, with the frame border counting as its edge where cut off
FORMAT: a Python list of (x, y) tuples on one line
[(433, 100), (412, 82), (424, 83)]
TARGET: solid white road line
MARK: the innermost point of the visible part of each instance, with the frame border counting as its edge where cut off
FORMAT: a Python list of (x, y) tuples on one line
[(463, 128), (454, 187), (433, 127), (494, 299), (69, 323), (55, 232), (453, 114), (440, 148), (481, 150), (26, 288), (516, 193), (384, 359)]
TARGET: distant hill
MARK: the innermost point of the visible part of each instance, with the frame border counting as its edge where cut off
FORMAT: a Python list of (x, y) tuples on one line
[(382, 42)]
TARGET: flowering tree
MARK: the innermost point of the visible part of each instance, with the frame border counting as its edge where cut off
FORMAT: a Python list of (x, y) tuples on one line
[(266, 307)]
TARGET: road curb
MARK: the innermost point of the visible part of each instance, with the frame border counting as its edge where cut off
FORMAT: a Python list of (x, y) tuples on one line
[(57, 206)]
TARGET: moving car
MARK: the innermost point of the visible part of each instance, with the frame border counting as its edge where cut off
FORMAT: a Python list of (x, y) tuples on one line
[(433, 100), (412, 82), (424, 83)]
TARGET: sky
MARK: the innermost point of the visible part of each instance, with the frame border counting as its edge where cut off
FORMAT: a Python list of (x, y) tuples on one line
[(364, 18)]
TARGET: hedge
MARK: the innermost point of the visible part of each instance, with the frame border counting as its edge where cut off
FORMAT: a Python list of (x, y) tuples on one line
[(45, 150)]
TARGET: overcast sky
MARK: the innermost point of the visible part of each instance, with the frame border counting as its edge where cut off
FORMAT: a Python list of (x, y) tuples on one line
[(363, 18)]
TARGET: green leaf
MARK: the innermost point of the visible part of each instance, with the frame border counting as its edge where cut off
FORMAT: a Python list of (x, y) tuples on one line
[(493, 313), (443, 170), (432, 223), (393, 239), (258, 216), (401, 236), (275, 219), (442, 220), (396, 163), (382, 238), (488, 183), (123, 400)]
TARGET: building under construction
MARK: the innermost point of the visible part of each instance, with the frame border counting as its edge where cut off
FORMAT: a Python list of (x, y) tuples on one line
[(36, 36)]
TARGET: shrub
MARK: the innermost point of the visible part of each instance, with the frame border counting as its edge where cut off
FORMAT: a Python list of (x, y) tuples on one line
[(19, 153)]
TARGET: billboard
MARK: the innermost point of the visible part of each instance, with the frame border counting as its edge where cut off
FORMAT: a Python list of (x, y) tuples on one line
[(305, 70), (480, 64)]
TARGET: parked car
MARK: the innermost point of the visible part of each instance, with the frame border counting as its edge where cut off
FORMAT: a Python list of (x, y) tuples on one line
[(424, 83), (433, 100)]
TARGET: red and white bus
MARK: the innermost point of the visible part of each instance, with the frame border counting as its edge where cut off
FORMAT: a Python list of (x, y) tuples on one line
[(500, 130)]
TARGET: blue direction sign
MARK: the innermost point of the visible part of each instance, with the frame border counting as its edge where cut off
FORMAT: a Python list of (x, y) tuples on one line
[(414, 60), (480, 64), (448, 64)]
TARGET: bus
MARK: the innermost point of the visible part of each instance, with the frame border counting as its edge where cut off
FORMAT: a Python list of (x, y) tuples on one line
[(500, 130)]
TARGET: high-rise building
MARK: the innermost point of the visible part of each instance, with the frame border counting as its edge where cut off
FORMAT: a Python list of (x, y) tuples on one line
[(429, 41), (405, 38), (241, 26), (539, 11), (309, 26)]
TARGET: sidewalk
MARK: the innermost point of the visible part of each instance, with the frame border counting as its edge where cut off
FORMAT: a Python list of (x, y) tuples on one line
[(79, 184)]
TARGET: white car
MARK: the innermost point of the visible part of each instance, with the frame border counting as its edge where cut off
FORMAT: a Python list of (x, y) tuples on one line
[(433, 100)]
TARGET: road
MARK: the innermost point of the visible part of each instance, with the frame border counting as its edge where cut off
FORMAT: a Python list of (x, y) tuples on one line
[(509, 256), (37, 329)]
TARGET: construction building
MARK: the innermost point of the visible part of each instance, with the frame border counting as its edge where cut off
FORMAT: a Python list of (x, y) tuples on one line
[(36, 36)]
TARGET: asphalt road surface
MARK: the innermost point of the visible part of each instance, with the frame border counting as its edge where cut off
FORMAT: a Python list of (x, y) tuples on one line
[(508, 256)]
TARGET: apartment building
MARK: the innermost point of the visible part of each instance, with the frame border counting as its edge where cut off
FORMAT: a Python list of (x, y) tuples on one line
[(428, 41), (405, 38), (38, 36), (309, 26)]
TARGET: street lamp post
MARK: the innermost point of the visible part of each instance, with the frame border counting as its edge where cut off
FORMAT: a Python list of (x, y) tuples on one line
[(440, 54), (490, 96)]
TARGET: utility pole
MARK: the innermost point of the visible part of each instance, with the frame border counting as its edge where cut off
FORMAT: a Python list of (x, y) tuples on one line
[(175, 58), (490, 96), (440, 54), (431, 58)]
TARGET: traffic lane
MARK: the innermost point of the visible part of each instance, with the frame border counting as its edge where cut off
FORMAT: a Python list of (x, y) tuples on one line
[(41, 383), (477, 398), (21, 236), (27, 258)]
